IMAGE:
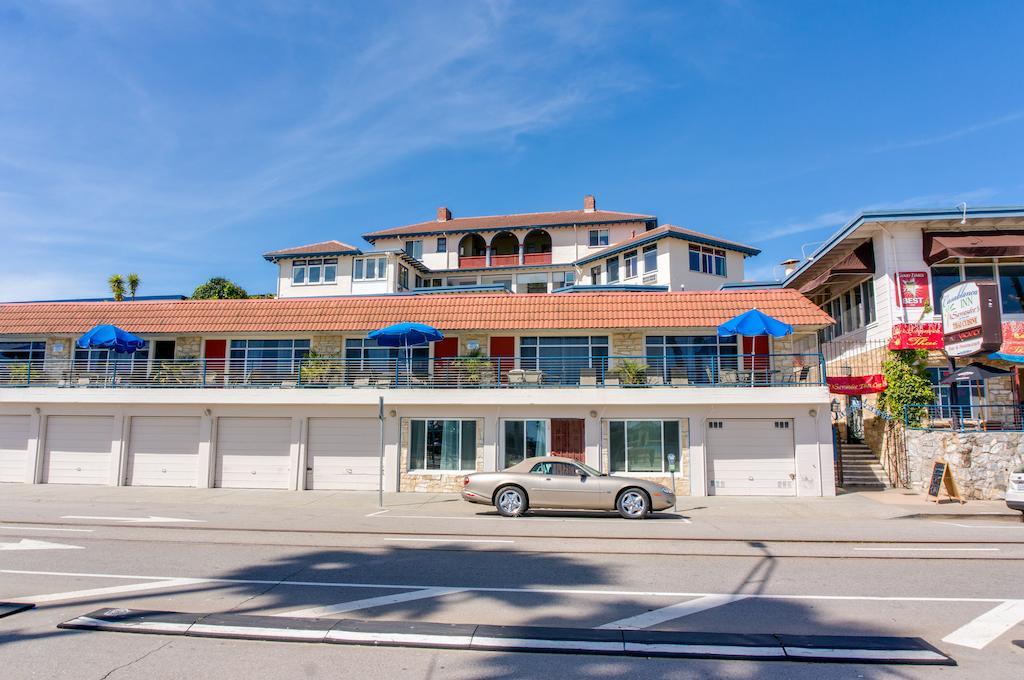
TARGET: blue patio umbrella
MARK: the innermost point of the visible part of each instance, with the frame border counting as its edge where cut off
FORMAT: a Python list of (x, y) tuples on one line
[(406, 334), (106, 336), (1015, 358), (755, 322)]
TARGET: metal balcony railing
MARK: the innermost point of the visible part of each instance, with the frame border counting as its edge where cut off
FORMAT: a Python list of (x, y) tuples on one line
[(965, 418), (743, 370)]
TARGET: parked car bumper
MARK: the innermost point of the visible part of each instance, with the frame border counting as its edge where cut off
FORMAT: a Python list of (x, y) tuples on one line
[(474, 497)]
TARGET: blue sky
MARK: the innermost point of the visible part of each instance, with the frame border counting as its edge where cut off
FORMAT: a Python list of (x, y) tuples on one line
[(181, 140)]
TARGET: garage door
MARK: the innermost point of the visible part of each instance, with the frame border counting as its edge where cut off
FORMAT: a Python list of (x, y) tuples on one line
[(78, 449), (163, 451), (253, 453), (13, 448), (342, 453), (751, 457)]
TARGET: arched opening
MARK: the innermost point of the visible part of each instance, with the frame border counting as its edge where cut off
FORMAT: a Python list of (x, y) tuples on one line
[(472, 251), (537, 247), (505, 243), (472, 245)]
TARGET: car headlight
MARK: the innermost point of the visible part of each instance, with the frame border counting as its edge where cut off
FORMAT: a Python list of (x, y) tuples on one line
[(666, 490)]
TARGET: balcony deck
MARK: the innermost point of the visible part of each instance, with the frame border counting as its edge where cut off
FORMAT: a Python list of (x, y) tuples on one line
[(475, 372)]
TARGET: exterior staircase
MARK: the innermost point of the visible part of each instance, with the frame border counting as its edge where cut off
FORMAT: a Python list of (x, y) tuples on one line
[(861, 469)]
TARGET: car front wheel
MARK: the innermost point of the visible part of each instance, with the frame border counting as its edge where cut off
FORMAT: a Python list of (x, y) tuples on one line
[(510, 501), (633, 504)]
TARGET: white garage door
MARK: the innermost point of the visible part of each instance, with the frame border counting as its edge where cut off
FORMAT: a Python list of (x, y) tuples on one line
[(751, 457), (253, 453), (342, 453), (13, 448), (78, 449), (163, 451)]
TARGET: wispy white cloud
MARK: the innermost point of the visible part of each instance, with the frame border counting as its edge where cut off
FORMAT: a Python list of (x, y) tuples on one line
[(950, 136)]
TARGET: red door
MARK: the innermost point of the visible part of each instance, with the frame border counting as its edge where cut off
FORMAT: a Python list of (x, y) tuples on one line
[(757, 359), (503, 355), (567, 438), (444, 351), (214, 353)]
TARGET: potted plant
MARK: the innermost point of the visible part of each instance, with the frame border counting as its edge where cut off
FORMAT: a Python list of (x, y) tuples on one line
[(632, 372), (472, 368)]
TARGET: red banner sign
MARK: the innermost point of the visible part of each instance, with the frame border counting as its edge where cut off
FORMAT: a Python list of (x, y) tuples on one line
[(857, 384), (913, 287), (1013, 338), (916, 336)]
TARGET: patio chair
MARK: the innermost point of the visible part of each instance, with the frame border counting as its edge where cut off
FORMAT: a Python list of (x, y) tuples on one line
[(533, 377), (727, 376), (678, 377), (516, 376), (382, 382), (83, 382), (655, 380), (588, 377)]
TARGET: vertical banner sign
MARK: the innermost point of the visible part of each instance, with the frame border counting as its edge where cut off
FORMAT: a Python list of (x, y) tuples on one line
[(914, 291), (971, 320)]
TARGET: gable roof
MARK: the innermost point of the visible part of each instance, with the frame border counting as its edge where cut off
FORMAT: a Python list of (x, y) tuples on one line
[(669, 231), (703, 309), (322, 248), (561, 218)]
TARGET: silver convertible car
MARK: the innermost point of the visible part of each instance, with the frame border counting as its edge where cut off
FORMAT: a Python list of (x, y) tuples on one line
[(554, 482)]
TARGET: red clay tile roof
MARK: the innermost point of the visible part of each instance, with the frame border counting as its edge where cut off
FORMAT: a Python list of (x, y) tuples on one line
[(448, 312), (322, 248), (541, 219)]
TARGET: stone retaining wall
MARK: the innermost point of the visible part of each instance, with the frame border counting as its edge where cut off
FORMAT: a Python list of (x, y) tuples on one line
[(981, 461)]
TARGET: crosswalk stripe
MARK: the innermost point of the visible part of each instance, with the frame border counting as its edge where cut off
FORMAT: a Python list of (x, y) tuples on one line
[(356, 605), (987, 627), (673, 611)]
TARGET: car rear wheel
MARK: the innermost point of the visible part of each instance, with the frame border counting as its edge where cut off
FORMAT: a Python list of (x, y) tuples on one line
[(633, 504), (510, 501)]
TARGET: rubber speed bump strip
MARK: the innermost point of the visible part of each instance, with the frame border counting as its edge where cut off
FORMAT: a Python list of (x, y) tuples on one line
[(846, 649), (8, 608)]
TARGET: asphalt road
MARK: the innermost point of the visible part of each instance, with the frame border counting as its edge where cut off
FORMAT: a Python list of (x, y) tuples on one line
[(957, 587)]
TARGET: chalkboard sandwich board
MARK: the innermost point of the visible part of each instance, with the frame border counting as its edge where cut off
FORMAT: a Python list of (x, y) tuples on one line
[(941, 477)]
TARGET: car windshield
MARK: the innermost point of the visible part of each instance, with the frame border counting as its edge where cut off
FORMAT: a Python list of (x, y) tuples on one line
[(589, 470)]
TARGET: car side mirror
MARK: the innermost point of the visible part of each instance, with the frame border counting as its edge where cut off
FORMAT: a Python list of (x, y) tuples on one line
[(583, 476)]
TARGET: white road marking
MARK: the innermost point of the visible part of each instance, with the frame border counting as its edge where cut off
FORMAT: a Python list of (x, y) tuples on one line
[(408, 638), (21, 528), (31, 544), (111, 590), (451, 540), (872, 654), (981, 526), (543, 591), (379, 512), (134, 520), (932, 549), (988, 626), (673, 611), (370, 602), (619, 522)]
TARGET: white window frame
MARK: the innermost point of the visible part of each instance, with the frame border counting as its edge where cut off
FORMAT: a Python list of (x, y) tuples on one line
[(501, 431), (380, 269), (680, 450), (646, 251), (321, 265), (707, 257), (440, 471), (598, 238), (411, 246), (630, 265)]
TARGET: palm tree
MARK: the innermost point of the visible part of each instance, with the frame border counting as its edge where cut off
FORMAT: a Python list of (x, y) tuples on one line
[(117, 286), (133, 284)]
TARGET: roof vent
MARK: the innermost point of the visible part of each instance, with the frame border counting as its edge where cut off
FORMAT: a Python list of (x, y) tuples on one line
[(589, 204), (789, 266), (443, 214)]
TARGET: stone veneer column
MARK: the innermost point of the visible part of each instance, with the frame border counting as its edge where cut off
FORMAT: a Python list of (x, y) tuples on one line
[(188, 347), (327, 345), (57, 361)]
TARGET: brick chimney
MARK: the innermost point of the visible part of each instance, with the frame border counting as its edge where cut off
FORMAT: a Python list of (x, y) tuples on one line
[(443, 214), (589, 204)]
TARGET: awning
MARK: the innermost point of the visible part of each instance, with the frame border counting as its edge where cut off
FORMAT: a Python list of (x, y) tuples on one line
[(859, 262), (939, 245)]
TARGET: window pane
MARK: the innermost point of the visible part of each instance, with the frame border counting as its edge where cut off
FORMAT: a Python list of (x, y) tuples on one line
[(720, 265), (694, 259), (442, 245), (435, 439), (298, 274), (371, 269), (450, 459), (650, 259), (942, 278), (314, 274), (612, 267), (536, 438), (978, 273), (358, 272), (643, 445), (468, 445), (671, 430), (617, 445), (417, 441), (330, 273), (595, 275), (1011, 287), (515, 442), (593, 238), (382, 266)]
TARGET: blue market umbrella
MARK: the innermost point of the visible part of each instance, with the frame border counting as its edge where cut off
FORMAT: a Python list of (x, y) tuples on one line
[(106, 336), (405, 335), (755, 322)]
